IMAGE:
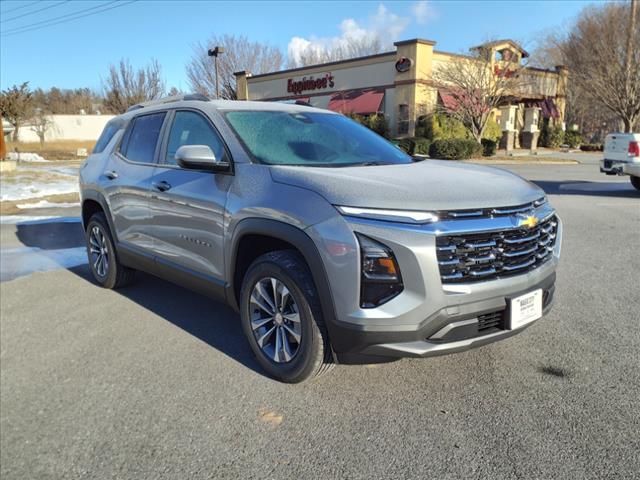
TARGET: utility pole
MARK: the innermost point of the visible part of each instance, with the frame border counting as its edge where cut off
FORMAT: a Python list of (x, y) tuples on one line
[(214, 52)]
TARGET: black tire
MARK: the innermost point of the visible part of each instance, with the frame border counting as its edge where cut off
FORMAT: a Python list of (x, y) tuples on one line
[(313, 354), (115, 275), (635, 181)]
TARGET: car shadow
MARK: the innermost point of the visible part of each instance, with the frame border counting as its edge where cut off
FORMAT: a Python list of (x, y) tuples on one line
[(596, 189), (51, 235), (209, 321)]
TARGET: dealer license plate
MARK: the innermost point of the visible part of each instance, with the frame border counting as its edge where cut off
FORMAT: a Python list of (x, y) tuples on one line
[(525, 308)]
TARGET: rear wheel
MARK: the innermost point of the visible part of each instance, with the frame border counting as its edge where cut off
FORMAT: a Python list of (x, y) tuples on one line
[(282, 319), (635, 181), (103, 259)]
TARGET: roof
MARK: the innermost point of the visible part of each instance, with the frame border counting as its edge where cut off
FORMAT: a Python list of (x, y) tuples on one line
[(495, 43), (204, 103)]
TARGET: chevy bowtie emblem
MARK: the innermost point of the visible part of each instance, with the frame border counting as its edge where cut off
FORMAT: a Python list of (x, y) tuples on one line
[(527, 221)]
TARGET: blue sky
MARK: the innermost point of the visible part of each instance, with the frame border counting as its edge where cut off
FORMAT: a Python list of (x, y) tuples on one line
[(77, 53)]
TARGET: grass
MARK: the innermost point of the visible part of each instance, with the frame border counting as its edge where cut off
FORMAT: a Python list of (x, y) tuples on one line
[(53, 150)]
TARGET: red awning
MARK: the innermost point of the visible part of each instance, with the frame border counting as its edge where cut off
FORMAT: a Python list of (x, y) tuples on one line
[(547, 106), (362, 102), (448, 101)]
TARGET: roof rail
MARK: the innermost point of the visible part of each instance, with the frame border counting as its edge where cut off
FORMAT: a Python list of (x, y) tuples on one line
[(173, 98)]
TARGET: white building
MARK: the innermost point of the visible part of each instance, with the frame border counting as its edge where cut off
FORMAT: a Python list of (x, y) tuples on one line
[(67, 127)]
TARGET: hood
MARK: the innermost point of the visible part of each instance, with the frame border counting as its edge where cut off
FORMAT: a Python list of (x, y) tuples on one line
[(427, 185)]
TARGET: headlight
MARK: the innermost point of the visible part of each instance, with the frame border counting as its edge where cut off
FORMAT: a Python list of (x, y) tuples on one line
[(380, 278), (404, 216)]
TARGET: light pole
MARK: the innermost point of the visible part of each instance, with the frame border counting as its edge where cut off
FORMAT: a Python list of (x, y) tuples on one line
[(214, 52)]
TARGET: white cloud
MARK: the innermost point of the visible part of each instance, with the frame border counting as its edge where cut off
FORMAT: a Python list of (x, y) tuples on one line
[(422, 11), (378, 32)]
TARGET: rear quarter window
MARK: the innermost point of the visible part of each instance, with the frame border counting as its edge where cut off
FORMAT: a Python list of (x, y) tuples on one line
[(109, 131)]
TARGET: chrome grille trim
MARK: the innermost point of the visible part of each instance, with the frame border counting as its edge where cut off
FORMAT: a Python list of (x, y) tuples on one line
[(476, 256)]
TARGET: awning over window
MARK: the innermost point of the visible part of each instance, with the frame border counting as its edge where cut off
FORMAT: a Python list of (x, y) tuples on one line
[(448, 101), (362, 102), (547, 106)]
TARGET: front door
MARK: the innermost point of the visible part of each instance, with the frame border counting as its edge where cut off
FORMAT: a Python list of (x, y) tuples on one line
[(187, 206)]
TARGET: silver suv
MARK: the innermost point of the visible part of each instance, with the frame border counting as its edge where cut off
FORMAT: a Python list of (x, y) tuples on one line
[(332, 244)]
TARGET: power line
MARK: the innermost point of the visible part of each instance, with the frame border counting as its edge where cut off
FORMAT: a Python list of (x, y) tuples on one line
[(67, 18), (33, 11), (59, 17), (20, 7)]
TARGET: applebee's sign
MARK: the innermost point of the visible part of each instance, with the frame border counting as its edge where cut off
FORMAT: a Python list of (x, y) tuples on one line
[(310, 83)]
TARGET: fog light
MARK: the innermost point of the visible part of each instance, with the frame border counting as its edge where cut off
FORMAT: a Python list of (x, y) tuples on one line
[(380, 279)]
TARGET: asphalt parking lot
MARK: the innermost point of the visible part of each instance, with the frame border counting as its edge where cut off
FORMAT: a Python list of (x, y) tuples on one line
[(156, 382)]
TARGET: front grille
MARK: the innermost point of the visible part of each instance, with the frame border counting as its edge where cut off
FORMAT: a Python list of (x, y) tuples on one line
[(490, 212), (490, 320), (481, 256)]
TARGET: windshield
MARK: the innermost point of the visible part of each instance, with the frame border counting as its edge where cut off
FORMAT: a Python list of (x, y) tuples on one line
[(311, 139)]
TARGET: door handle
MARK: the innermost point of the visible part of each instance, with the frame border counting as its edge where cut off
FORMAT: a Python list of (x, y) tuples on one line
[(111, 174), (162, 186)]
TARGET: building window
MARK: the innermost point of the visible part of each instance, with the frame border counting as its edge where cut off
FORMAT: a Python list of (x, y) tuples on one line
[(403, 119)]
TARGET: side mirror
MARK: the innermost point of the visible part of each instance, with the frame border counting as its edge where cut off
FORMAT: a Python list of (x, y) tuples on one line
[(198, 157)]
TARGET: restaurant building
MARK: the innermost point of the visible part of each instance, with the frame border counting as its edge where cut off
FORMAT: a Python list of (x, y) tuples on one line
[(399, 84)]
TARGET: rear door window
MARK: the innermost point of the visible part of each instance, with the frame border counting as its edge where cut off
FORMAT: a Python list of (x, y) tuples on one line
[(141, 139)]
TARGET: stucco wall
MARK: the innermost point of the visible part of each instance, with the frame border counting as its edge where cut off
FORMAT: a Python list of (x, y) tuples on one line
[(68, 127)]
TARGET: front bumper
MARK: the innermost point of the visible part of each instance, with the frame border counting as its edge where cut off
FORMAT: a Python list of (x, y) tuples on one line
[(443, 332)]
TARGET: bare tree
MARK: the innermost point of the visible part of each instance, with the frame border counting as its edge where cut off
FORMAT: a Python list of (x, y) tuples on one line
[(125, 87), (41, 122), (604, 59), (475, 85), (346, 48), (239, 54), (16, 105)]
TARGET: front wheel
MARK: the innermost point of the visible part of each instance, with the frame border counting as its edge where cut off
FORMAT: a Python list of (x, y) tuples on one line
[(635, 181), (282, 318), (103, 259)]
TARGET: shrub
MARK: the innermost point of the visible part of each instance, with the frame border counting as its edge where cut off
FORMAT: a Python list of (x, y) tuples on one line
[(573, 138), (489, 147), (421, 146), (414, 145), (492, 131), (376, 122), (551, 137), (440, 127), (592, 147), (454, 149)]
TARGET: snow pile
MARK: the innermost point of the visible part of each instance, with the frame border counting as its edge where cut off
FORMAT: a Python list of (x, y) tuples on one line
[(26, 157), (47, 204), (17, 191)]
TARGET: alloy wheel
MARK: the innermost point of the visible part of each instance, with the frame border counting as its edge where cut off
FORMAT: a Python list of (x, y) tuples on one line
[(275, 320), (99, 251)]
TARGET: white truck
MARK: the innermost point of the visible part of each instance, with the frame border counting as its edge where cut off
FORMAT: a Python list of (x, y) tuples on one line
[(622, 156)]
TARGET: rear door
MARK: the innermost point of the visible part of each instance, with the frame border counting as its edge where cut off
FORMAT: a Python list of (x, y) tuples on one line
[(127, 178), (187, 206)]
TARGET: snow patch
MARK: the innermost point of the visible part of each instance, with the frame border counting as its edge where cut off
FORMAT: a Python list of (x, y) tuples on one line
[(26, 157), (36, 220), (47, 204), (37, 189)]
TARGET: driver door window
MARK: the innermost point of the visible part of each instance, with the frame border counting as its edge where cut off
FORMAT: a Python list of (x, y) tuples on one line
[(191, 128)]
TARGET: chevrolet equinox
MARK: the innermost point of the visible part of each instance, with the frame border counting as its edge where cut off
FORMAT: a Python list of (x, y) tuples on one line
[(332, 244)]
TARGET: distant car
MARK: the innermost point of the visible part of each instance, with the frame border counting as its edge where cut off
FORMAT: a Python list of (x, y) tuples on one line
[(332, 243), (622, 156)]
